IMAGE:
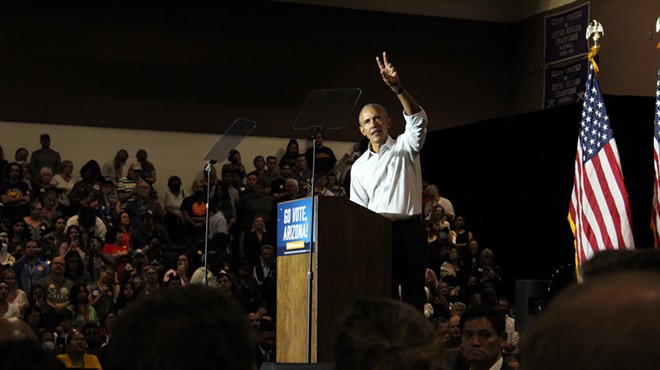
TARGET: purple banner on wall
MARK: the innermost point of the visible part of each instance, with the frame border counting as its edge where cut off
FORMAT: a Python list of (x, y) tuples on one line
[(565, 34), (565, 84)]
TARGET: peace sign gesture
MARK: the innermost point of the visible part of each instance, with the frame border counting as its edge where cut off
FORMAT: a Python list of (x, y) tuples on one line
[(389, 73)]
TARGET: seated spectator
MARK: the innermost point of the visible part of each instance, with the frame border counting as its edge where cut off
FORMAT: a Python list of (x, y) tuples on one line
[(74, 269), (126, 186), (89, 224), (15, 194), (35, 223), (389, 334), (50, 205), (259, 165), (75, 356), (83, 312), (264, 350), (335, 187), (141, 203), (291, 154), (64, 183), (173, 219), (321, 187), (218, 333), (104, 291), (436, 200), (17, 238), (15, 295), (482, 337), (214, 267), (7, 308), (575, 330), (41, 186), (113, 169), (108, 203), (142, 236), (91, 181), (20, 349), (489, 272), (226, 287), (128, 294), (116, 248)]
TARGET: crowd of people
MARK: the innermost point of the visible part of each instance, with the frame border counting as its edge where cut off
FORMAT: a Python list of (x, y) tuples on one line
[(78, 249)]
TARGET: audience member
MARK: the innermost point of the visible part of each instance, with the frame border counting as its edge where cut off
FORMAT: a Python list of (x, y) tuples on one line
[(270, 172), (193, 210), (278, 186), (15, 296), (7, 308), (217, 335), (303, 174), (143, 202), (254, 239), (44, 157), (235, 164), (126, 187), (64, 183), (483, 336), (325, 159), (30, 268), (291, 154), (58, 288), (20, 349), (83, 312), (113, 170), (75, 270), (15, 194), (386, 334), (436, 200), (264, 348), (43, 184), (90, 183), (173, 219), (76, 356), (142, 237), (588, 326), (512, 336)]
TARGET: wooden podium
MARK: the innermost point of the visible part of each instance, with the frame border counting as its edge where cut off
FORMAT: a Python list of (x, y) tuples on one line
[(352, 260)]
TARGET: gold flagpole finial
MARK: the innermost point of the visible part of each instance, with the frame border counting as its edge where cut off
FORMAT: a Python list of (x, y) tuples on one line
[(657, 29), (594, 33)]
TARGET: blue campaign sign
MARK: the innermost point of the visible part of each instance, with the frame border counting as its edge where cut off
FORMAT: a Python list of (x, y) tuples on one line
[(294, 226)]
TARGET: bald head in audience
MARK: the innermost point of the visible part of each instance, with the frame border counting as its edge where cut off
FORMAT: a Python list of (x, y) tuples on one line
[(611, 321)]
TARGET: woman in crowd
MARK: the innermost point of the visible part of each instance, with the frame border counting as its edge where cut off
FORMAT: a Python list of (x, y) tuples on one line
[(72, 242), (15, 296), (116, 248), (128, 294), (83, 312), (51, 204), (291, 154), (74, 270), (254, 239), (75, 356), (64, 183)]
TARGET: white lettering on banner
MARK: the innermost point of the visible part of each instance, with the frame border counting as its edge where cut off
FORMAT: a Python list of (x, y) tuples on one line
[(295, 232)]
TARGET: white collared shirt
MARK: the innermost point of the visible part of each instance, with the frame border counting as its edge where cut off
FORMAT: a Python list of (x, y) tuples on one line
[(390, 182)]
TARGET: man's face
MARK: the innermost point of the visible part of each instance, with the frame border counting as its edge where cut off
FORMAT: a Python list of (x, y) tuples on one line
[(57, 266), (32, 248), (251, 181), (503, 306), (454, 328), (143, 189), (319, 139), (267, 340), (198, 187), (15, 172), (480, 343), (133, 174), (267, 255), (285, 171), (271, 163), (255, 320), (301, 163), (45, 143), (374, 124)]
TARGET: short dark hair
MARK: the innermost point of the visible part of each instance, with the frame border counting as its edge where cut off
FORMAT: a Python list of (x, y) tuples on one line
[(496, 318), (217, 335)]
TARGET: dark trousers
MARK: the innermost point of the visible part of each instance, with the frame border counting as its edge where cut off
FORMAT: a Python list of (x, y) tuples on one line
[(409, 259)]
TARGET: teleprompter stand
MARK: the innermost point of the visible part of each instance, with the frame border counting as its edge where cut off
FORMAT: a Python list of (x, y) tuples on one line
[(324, 109), (233, 136)]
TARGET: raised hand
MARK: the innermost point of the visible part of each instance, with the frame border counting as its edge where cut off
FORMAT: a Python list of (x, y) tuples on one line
[(389, 73)]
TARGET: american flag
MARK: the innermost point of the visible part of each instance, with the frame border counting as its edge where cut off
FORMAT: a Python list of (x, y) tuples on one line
[(599, 212), (655, 219)]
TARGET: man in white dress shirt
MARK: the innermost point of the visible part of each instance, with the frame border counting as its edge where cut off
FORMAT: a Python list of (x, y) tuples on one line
[(387, 179)]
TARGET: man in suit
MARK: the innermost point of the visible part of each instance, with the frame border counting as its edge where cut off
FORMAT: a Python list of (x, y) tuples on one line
[(265, 347), (483, 334)]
